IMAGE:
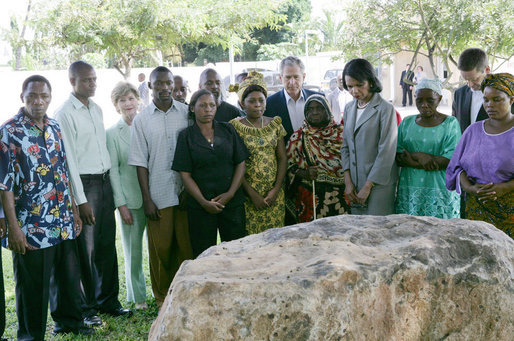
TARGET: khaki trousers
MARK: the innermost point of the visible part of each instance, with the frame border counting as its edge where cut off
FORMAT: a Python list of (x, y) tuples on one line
[(168, 247)]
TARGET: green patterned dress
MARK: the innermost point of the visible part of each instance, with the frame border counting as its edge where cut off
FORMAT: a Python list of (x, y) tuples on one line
[(421, 192), (261, 172)]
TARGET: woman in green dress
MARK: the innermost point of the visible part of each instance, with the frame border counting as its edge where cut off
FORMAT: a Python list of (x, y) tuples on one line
[(425, 146), (266, 167)]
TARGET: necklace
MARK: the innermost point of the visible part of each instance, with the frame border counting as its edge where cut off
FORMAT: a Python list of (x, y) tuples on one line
[(211, 140), (262, 122), (359, 106), (261, 140)]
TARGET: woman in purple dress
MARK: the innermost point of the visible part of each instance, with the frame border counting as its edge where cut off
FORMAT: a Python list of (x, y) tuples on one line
[(483, 164)]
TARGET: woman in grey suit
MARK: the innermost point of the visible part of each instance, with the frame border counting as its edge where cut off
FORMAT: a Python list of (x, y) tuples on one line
[(127, 194), (369, 142)]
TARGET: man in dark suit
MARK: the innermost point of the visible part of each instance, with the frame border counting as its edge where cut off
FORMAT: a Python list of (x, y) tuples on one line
[(406, 87), (290, 102), (211, 80)]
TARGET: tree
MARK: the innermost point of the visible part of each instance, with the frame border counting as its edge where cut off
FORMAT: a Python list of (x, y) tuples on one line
[(331, 28), (378, 29), (126, 30), (16, 36), (269, 43)]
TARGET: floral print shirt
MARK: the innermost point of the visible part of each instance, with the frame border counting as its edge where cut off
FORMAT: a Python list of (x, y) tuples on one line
[(33, 167)]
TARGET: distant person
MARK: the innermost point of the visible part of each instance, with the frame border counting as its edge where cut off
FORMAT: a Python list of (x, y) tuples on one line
[(266, 166), (153, 140), (43, 221), (126, 191), (240, 77), (369, 142), (482, 164), (425, 146), (420, 74), (180, 88), (406, 85), (144, 91), (338, 99), (289, 103), (211, 80), (82, 125), (210, 157)]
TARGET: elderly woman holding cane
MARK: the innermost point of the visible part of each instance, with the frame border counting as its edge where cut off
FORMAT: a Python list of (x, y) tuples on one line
[(315, 171), (482, 164)]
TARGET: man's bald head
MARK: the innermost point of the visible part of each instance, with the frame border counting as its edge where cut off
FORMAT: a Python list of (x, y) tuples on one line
[(211, 80)]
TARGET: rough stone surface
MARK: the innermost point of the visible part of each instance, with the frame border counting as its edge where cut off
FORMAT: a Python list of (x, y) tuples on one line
[(348, 278)]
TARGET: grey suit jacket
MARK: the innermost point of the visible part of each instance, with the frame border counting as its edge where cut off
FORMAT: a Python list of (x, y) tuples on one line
[(125, 186), (369, 145)]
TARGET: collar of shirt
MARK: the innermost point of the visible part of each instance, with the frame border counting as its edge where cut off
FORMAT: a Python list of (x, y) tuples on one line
[(290, 98), (295, 110), (477, 100), (77, 103), (154, 108), (22, 117)]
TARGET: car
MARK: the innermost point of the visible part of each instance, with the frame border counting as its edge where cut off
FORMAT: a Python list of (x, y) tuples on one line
[(329, 81), (271, 78)]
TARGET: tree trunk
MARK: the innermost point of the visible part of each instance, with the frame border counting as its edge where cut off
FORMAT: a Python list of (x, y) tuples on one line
[(22, 37)]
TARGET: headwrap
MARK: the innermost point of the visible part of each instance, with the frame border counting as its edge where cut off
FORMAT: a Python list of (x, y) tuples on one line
[(500, 81), (318, 146), (253, 78), (433, 84), (321, 100)]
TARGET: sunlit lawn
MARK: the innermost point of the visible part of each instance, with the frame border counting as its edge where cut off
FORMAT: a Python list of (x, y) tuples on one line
[(134, 328)]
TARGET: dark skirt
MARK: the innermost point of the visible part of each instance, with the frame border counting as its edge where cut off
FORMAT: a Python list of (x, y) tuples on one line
[(498, 212)]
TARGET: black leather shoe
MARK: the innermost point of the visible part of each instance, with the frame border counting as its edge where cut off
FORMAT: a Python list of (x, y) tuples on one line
[(119, 312), (84, 330), (93, 321)]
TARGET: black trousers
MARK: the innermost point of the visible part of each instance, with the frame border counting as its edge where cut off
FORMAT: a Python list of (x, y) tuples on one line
[(97, 249), (50, 274), (406, 91), (203, 227)]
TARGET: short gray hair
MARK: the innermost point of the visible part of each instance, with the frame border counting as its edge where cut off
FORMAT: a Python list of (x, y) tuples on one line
[(292, 61), (123, 89)]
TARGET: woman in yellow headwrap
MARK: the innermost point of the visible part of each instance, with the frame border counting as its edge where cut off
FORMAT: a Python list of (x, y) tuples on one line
[(266, 167), (482, 164)]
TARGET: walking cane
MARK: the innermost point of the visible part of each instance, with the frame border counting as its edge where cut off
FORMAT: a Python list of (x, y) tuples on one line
[(314, 198)]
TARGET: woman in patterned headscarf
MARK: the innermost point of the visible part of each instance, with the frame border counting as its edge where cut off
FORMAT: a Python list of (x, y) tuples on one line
[(426, 142), (266, 167), (314, 164), (482, 164)]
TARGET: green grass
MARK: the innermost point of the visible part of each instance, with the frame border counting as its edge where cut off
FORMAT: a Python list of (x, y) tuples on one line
[(134, 328)]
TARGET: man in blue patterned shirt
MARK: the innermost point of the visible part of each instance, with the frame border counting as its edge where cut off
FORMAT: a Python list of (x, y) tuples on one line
[(41, 217)]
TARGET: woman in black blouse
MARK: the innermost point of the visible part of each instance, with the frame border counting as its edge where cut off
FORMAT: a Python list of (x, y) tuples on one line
[(210, 157)]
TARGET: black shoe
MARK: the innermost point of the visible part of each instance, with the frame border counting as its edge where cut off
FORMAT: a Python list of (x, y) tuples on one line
[(119, 312), (83, 330), (93, 321)]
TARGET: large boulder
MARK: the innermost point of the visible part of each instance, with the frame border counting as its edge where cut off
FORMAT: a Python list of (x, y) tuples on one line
[(348, 278)]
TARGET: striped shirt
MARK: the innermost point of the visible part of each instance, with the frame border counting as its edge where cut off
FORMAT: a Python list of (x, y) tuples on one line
[(154, 135)]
